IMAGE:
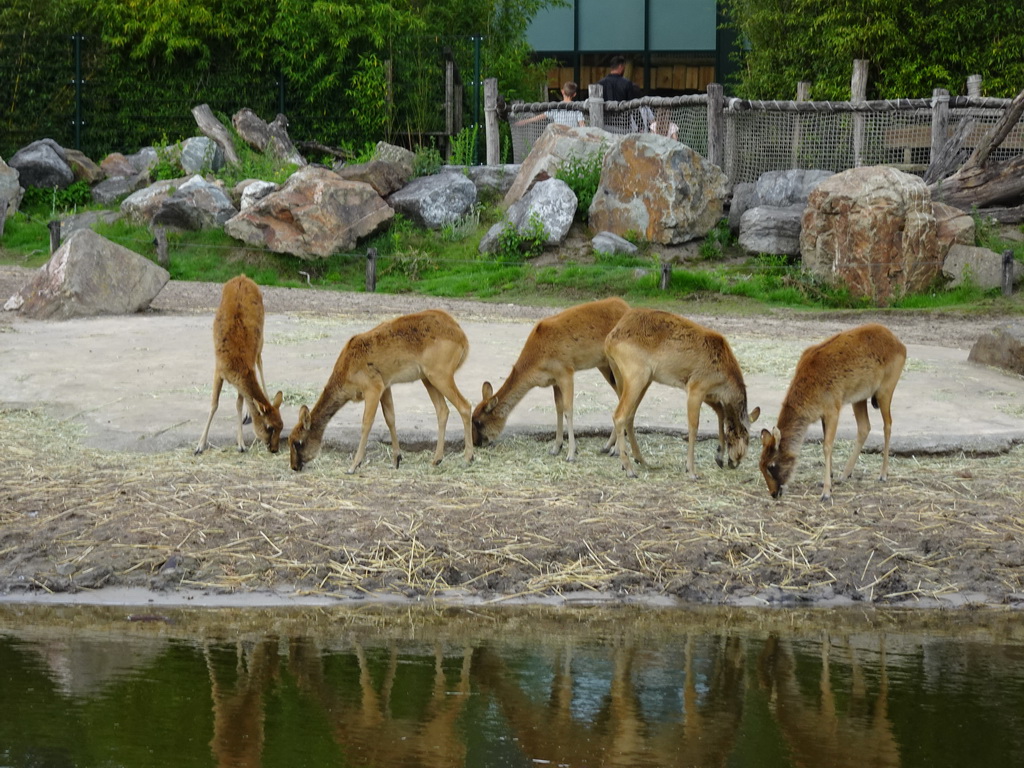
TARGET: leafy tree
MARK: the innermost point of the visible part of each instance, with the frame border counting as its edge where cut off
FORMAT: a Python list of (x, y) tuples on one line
[(913, 46)]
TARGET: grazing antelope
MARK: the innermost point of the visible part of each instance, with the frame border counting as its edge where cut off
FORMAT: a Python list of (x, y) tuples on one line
[(428, 346), (556, 348), (851, 367), (649, 345), (238, 349)]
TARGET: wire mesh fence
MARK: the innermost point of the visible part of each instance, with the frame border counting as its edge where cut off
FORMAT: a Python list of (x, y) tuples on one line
[(771, 136)]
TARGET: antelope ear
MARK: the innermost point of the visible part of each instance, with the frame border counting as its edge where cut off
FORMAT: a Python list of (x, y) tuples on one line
[(767, 439), (260, 408), (304, 419), (488, 390), (277, 399), (754, 414), (777, 434)]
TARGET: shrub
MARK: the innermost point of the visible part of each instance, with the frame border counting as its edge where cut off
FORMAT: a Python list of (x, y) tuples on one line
[(583, 175)]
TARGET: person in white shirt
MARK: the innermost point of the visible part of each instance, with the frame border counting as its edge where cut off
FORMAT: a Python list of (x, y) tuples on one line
[(569, 117)]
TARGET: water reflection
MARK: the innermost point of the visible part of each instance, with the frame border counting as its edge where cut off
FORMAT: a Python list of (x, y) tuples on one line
[(635, 689)]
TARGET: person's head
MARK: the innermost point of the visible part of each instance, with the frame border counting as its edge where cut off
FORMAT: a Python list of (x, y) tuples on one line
[(618, 65), (569, 90)]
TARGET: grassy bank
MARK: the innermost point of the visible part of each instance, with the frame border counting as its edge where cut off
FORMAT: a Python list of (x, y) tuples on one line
[(447, 263)]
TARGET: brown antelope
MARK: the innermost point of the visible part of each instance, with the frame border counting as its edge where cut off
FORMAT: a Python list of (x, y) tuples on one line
[(854, 366), (238, 350), (556, 348), (428, 346), (649, 345)]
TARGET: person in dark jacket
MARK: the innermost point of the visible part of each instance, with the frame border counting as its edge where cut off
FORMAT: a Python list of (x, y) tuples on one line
[(618, 87)]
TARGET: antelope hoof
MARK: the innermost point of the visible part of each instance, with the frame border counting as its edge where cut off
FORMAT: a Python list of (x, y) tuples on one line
[(554, 450), (397, 461)]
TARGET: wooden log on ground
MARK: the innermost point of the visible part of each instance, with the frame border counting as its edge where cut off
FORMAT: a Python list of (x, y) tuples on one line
[(980, 182), (214, 129)]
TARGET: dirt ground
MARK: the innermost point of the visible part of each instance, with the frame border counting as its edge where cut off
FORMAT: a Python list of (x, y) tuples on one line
[(79, 515)]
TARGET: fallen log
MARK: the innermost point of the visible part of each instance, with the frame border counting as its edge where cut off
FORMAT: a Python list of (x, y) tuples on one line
[(214, 129), (981, 181)]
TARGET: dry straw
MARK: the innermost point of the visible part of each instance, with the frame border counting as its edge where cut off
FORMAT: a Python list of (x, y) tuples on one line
[(515, 523)]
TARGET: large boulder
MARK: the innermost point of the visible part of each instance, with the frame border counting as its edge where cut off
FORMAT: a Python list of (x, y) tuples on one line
[(140, 207), (775, 189), (953, 226), (10, 187), (314, 214), (771, 229), (42, 164), (1002, 347), (249, 191), (114, 188), (115, 165), (983, 267), (83, 167), (90, 275), (872, 229), (200, 154), (196, 204), (551, 202), (490, 179), (556, 145), (436, 200), (262, 136), (609, 242), (385, 177), (658, 188), (400, 156)]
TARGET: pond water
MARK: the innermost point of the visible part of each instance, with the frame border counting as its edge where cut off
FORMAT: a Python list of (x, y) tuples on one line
[(513, 687)]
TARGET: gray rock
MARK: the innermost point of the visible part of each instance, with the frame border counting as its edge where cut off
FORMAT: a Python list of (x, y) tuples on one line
[(254, 190), (781, 189), (767, 229), (385, 177), (983, 266), (200, 154), (140, 207), (556, 145), (89, 275), (392, 153), (114, 188), (609, 242), (433, 201), (551, 201), (742, 200), (10, 187), (196, 204), (144, 159), (42, 164), (489, 179), (117, 166), (1003, 348), (86, 220)]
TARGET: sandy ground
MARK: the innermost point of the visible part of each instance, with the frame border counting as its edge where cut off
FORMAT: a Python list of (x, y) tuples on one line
[(140, 386)]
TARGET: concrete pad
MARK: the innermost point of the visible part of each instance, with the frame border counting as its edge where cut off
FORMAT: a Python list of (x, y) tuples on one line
[(143, 383)]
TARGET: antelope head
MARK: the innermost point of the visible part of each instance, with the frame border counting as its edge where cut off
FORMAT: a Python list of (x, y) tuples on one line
[(267, 423), (737, 438)]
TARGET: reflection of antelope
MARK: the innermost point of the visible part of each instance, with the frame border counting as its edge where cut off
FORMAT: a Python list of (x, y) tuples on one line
[(238, 349), (649, 345), (367, 728), (854, 366), (817, 731), (238, 713), (428, 346), (621, 734), (557, 347)]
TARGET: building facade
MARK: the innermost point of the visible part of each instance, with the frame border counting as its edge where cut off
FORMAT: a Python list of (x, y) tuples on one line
[(672, 47)]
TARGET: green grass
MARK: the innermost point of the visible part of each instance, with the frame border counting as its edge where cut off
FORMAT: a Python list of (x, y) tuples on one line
[(448, 264)]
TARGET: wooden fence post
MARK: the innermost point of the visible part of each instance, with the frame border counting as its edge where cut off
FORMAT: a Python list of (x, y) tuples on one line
[(803, 93), (595, 102), (974, 86), (666, 275), (716, 124), (160, 241), (371, 270), (449, 96), (54, 227), (859, 93), (491, 120), (940, 121), (3, 214), (1008, 273)]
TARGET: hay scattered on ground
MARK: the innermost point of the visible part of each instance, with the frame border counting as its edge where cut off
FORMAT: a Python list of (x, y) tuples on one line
[(517, 522)]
